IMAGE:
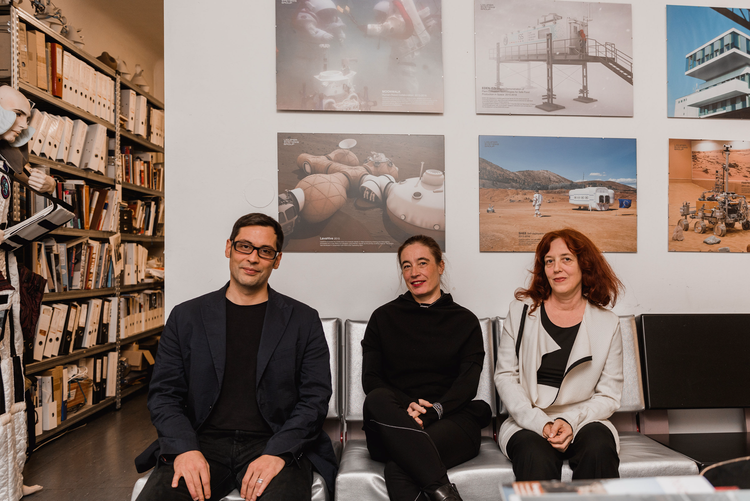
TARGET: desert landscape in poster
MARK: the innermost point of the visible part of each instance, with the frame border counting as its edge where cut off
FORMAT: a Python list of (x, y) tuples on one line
[(507, 221)]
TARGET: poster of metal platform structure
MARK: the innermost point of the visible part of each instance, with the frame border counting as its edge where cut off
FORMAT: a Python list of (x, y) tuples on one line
[(359, 55), (537, 57), (708, 62)]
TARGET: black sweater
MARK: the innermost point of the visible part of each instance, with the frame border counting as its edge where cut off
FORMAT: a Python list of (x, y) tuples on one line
[(434, 353)]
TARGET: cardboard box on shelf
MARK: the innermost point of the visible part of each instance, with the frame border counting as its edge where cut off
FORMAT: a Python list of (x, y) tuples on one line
[(137, 358)]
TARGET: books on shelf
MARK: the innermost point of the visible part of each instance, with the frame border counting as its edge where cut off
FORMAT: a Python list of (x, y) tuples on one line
[(78, 264), (92, 207), (142, 168), (141, 312), (66, 327), (63, 140), (65, 76)]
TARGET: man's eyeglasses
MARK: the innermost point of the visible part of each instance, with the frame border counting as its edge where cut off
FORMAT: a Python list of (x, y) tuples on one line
[(247, 248)]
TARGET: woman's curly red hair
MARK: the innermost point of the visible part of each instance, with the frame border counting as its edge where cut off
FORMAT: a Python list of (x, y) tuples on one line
[(600, 286)]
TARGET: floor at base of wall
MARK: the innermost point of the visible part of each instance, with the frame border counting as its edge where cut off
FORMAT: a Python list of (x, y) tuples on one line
[(94, 461)]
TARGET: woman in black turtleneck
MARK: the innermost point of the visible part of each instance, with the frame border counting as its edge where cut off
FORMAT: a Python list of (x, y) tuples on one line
[(422, 358)]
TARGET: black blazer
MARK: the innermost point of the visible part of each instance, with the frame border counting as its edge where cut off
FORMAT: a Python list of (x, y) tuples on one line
[(293, 381)]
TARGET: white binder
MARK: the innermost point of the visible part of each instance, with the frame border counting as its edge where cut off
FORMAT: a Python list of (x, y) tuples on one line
[(67, 136), (77, 142), (95, 144)]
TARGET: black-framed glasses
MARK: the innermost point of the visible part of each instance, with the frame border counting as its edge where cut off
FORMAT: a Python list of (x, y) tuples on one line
[(247, 248)]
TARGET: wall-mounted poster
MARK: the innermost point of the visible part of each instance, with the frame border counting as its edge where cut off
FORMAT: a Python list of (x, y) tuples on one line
[(531, 185), (359, 55), (708, 56), (539, 57), (709, 188), (360, 192)]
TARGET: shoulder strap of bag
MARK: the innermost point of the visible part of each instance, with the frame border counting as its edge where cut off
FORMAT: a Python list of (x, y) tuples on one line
[(520, 329)]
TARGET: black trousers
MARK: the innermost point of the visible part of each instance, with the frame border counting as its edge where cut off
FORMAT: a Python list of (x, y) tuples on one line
[(592, 454), (416, 460), (228, 454)]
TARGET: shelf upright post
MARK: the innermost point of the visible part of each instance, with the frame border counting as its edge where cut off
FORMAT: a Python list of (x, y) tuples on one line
[(118, 187), (15, 214)]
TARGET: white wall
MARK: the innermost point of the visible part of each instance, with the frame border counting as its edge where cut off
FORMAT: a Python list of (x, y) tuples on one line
[(222, 125)]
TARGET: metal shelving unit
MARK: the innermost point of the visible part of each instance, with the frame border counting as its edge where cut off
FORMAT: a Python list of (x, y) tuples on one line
[(45, 101)]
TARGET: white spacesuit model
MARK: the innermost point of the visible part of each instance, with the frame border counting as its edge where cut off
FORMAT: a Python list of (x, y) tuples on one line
[(330, 181), (536, 201), (406, 28), (14, 134), (319, 22)]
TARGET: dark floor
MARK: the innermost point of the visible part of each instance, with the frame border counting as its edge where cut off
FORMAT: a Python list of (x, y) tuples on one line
[(94, 462)]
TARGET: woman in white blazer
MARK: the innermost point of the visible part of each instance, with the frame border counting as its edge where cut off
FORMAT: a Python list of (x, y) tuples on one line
[(559, 364)]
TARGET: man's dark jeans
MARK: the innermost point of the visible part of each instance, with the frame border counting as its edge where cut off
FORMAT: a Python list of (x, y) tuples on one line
[(228, 454)]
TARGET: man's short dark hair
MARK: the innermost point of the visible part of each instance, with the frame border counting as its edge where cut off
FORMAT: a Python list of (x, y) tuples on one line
[(258, 219)]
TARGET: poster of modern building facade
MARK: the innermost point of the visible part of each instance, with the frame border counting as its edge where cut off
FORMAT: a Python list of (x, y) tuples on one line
[(708, 62), (359, 55), (531, 185), (540, 57), (709, 188), (360, 192)]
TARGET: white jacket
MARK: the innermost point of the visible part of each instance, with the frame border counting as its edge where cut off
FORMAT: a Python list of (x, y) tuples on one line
[(592, 385)]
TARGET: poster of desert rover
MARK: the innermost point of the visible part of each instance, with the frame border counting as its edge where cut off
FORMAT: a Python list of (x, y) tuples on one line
[(709, 187), (531, 185), (360, 192)]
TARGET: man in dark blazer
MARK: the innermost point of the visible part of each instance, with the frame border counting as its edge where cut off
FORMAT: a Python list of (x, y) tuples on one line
[(241, 386)]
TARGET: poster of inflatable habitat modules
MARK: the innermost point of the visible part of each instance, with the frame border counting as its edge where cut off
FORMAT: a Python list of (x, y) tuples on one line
[(546, 57), (360, 192), (708, 53), (359, 55), (529, 186), (709, 188)]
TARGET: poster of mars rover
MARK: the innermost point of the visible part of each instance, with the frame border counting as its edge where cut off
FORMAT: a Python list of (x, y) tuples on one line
[(709, 187), (360, 192), (359, 55), (531, 185), (542, 57)]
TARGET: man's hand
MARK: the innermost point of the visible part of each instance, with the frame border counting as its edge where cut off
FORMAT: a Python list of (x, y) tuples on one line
[(559, 434), (416, 409), (41, 182), (193, 467), (259, 474)]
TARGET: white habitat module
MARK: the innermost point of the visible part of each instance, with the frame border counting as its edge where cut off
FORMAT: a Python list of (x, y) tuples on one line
[(592, 198), (417, 205), (334, 82)]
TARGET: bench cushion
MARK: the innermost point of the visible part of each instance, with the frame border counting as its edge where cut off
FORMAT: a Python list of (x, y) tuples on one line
[(319, 490), (480, 478)]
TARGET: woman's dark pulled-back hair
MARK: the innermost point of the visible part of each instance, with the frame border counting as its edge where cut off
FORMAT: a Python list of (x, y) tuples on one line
[(428, 242), (258, 219), (599, 284)]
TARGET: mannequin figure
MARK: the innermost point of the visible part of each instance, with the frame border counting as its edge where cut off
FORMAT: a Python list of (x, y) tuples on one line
[(14, 136)]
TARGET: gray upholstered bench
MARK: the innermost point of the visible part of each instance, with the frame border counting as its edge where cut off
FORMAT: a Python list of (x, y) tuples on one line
[(362, 478), (640, 456), (332, 330)]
